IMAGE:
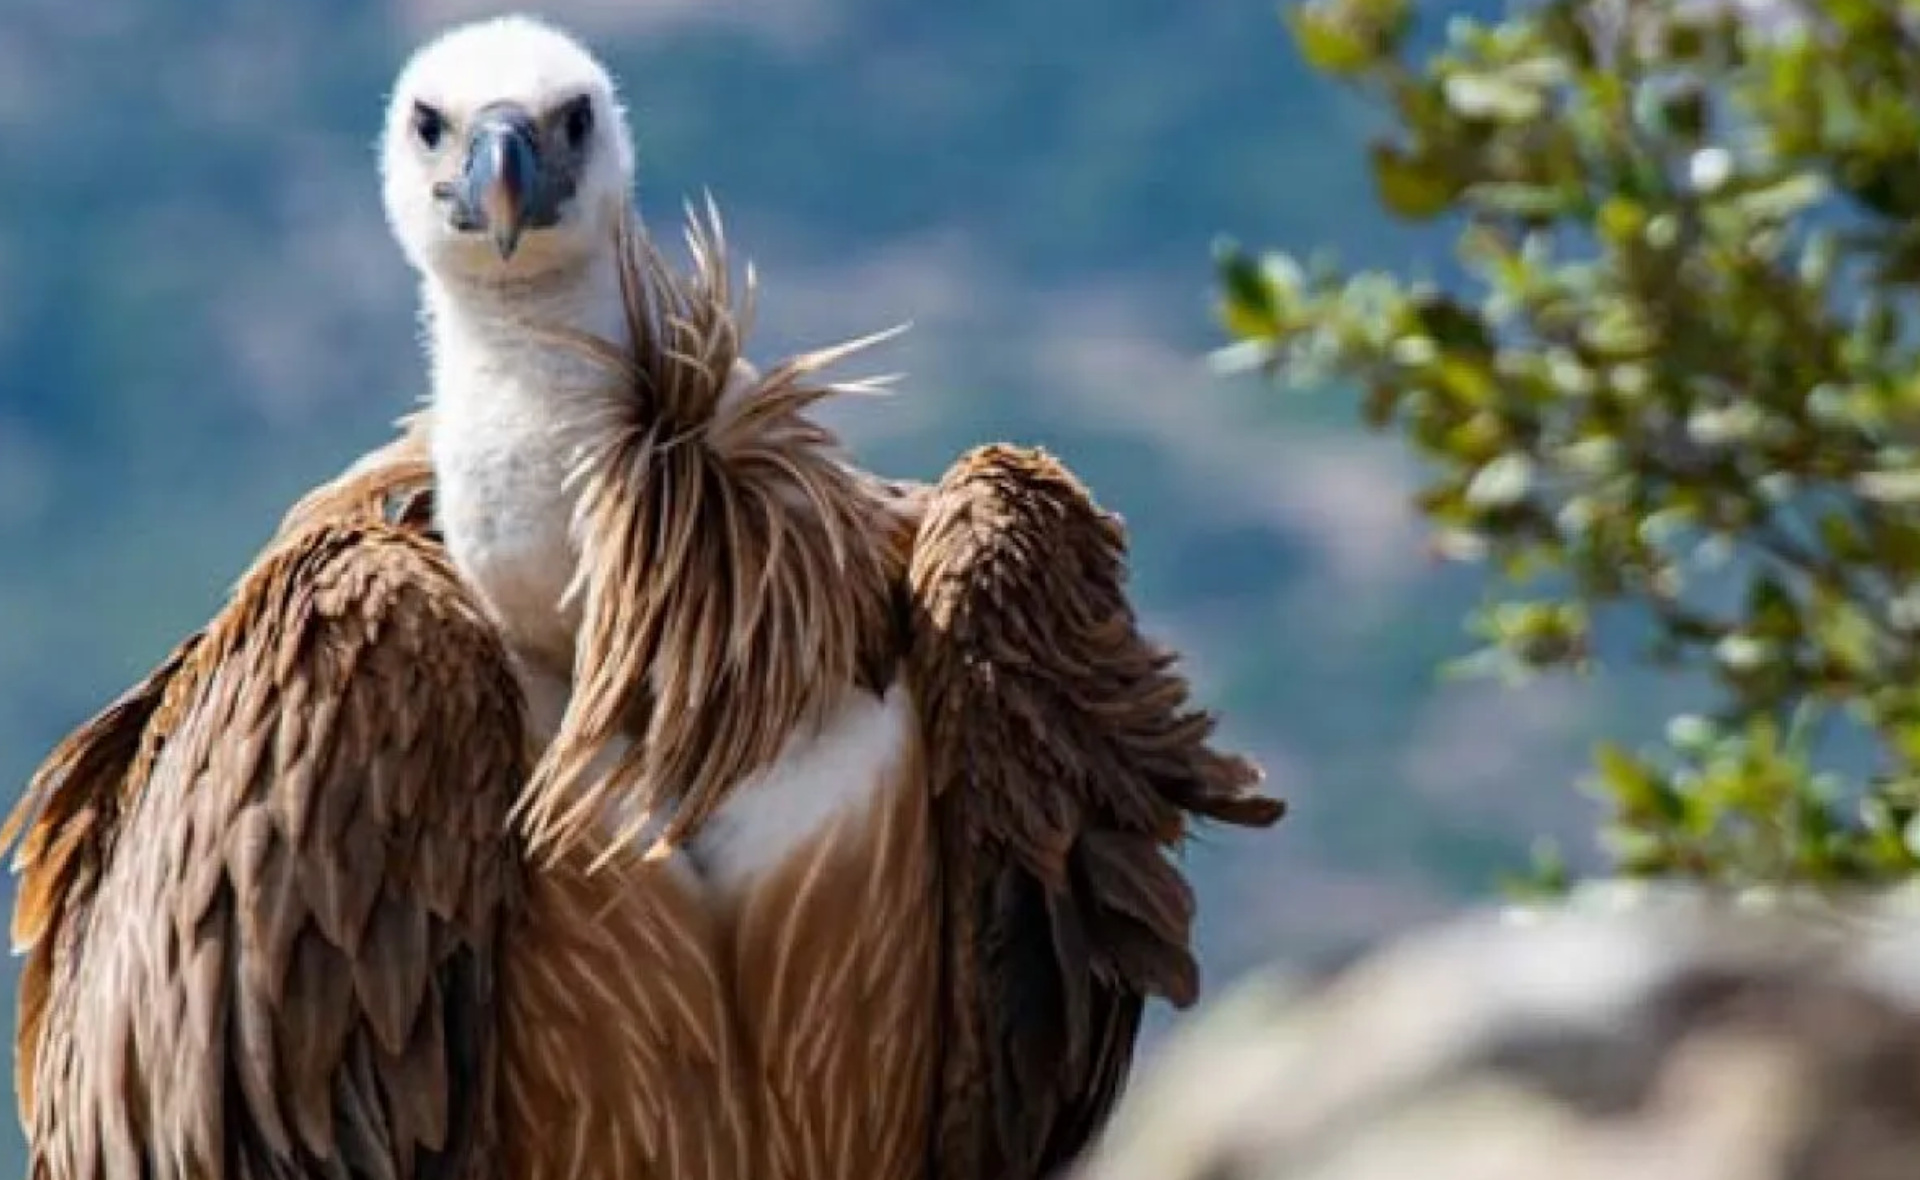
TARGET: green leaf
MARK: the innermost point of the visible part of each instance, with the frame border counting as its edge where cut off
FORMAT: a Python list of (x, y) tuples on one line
[(1899, 486), (1622, 221), (1412, 187), (1843, 538), (1783, 199), (1451, 325), (1331, 41), (1496, 97), (1518, 199), (1502, 482), (1252, 305), (1632, 784)]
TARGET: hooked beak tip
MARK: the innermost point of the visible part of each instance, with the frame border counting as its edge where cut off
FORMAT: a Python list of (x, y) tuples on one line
[(506, 238), (501, 175)]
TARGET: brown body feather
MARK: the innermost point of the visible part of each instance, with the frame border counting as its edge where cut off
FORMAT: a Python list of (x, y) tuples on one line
[(621, 1057), (944, 982), (835, 954)]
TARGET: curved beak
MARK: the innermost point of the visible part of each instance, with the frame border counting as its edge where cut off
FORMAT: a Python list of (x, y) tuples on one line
[(501, 175)]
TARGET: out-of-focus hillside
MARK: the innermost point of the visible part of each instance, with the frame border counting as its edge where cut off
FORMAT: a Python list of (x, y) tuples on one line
[(200, 315)]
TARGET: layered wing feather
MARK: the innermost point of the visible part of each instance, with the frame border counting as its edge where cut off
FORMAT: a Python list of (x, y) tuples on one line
[(1066, 764), (260, 893)]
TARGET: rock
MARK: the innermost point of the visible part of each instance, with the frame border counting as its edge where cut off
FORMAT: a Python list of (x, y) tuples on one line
[(1651, 1034)]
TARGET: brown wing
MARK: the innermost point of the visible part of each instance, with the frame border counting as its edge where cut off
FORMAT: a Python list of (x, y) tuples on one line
[(261, 892), (1066, 763)]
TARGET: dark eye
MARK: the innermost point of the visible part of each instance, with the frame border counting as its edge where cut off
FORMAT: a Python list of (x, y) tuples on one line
[(579, 121), (430, 125)]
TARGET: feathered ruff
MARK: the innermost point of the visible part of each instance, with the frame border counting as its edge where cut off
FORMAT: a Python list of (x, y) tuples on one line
[(734, 573)]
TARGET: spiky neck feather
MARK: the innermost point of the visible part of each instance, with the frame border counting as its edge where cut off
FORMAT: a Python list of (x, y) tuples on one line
[(727, 578)]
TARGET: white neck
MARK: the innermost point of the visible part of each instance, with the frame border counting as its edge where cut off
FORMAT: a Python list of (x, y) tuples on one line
[(489, 321), (511, 408)]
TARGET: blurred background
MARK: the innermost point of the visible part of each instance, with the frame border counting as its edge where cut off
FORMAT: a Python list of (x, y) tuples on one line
[(201, 315)]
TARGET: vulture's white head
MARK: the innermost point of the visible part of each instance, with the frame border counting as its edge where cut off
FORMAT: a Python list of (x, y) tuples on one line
[(505, 155)]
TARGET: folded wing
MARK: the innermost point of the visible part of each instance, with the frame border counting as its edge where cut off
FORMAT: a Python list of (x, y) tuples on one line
[(1066, 764), (260, 894)]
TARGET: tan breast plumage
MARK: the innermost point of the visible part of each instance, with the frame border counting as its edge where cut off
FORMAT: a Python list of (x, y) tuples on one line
[(822, 876), (752, 1005), (620, 1056)]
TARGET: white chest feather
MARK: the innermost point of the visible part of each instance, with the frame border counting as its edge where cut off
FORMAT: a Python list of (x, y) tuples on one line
[(819, 779)]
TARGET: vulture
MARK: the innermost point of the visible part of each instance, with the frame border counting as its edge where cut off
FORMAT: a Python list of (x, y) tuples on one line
[(606, 777)]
